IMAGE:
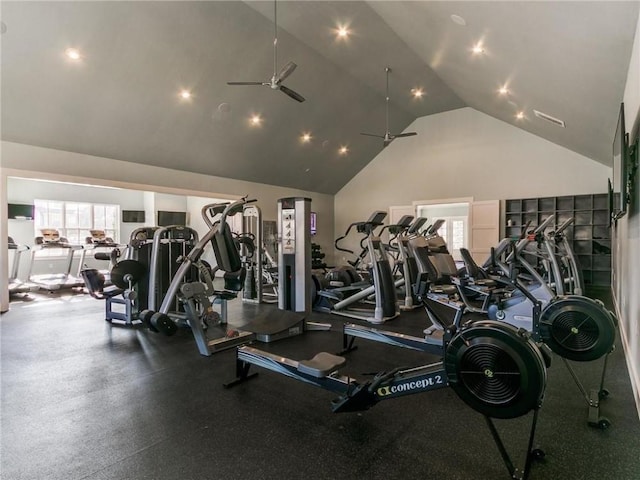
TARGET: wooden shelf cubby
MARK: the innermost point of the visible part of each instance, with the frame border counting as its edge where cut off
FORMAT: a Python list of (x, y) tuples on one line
[(589, 234)]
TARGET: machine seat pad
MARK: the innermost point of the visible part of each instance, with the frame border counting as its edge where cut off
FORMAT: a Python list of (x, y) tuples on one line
[(94, 281), (112, 291), (321, 365)]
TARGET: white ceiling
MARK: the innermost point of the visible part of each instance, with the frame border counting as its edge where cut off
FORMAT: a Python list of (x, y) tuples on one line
[(566, 59)]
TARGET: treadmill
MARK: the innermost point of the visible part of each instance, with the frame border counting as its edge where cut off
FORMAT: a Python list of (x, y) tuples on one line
[(50, 240), (17, 286), (103, 248)]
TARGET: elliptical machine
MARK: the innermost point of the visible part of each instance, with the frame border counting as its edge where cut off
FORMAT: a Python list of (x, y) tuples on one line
[(569, 275), (341, 301), (404, 231)]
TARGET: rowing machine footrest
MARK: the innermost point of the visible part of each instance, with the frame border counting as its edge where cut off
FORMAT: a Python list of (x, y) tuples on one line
[(357, 400), (321, 365)]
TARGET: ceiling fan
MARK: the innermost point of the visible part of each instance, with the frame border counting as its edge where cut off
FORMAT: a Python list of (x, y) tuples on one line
[(278, 77), (388, 137)]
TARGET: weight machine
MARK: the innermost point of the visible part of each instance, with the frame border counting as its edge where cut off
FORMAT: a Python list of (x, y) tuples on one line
[(267, 327)]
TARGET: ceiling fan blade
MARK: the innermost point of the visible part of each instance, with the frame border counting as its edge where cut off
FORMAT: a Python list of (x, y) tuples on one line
[(247, 83), (285, 72), (408, 134), (291, 93), (372, 135)]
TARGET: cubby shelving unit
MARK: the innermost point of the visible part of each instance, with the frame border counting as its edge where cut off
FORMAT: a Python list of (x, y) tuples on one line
[(589, 234)]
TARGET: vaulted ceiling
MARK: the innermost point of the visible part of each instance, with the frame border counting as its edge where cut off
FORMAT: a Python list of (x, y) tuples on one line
[(121, 98)]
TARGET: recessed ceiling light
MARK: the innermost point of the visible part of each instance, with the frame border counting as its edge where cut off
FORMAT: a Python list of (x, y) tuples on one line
[(520, 115), (72, 53), (417, 92), (185, 94), (306, 137), (458, 20), (343, 150), (342, 31), (478, 49), (255, 120), (503, 90)]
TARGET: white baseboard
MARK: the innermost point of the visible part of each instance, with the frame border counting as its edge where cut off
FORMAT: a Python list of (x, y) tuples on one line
[(634, 374)]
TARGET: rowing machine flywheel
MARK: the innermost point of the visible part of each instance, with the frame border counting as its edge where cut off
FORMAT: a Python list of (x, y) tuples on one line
[(577, 328), (496, 369)]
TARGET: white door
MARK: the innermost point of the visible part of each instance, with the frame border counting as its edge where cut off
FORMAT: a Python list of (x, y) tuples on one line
[(484, 228), (396, 213)]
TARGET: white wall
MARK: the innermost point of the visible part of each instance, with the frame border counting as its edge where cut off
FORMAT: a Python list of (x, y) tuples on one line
[(465, 153), (22, 190), (4, 251), (149, 209), (626, 237), (165, 202), (27, 161), (170, 203)]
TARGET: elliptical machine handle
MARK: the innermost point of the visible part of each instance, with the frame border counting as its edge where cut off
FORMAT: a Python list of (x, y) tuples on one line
[(335, 243), (493, 257), (524, 231), (513, 271)]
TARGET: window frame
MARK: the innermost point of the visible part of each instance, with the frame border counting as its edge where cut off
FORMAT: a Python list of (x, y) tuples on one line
[(44, 207), (448, 236)]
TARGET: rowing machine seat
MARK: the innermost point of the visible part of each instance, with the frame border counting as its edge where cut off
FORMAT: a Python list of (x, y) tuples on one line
[(321, 365)]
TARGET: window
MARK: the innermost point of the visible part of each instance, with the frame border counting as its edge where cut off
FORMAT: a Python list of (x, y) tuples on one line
[(74, 220), (454, 233), (455, 229)]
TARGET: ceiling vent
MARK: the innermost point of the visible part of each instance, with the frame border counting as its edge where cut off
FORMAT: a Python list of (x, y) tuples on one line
[(549, 118)]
